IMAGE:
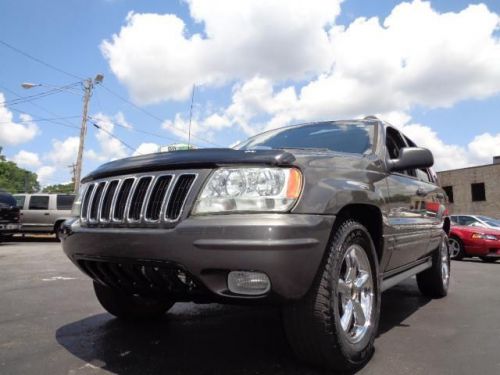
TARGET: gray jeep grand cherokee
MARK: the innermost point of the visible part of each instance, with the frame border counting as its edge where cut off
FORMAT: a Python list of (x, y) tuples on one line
[(319, 218)]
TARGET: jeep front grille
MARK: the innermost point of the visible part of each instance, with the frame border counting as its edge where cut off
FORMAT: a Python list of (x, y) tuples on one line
[(143, 199)]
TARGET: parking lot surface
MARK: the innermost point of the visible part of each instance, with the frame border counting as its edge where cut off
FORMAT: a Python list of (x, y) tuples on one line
[(51, 323)]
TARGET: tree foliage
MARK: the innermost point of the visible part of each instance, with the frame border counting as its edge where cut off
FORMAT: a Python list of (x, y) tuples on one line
[(16, 180), (60, 188)]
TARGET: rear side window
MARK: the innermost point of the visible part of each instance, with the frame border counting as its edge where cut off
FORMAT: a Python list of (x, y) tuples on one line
[(20, 199), (65, 202), (39, 202), (7, 200)]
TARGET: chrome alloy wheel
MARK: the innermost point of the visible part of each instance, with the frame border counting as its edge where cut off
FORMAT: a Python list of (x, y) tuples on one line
[(355, 294), (445, 263), (454, 247)]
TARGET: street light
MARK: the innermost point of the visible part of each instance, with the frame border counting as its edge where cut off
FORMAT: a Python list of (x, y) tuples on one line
[(29, 85)]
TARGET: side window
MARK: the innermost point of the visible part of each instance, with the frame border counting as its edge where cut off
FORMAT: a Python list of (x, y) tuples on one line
[(423, 174), (20, 199), (454, 219), (466, 220), (394, 143), (39, 202), (65, 202)]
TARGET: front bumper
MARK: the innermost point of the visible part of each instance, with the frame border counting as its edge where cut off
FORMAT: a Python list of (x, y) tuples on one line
[(9, 228), (287, 247)]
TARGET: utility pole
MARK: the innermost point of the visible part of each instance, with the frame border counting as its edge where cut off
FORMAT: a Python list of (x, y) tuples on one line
[(190, 118), (88, 86)]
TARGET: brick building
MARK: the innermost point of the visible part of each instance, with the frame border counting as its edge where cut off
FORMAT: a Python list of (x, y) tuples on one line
[(474, 190)]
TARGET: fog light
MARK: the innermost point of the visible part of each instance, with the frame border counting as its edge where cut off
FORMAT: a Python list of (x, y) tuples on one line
[(248, 282)]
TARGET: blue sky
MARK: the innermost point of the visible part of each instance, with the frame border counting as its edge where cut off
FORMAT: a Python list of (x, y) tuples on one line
[(68, 34)]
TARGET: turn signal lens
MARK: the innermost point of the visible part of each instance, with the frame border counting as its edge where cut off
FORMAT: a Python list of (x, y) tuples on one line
[(477, 236), (294, 184)]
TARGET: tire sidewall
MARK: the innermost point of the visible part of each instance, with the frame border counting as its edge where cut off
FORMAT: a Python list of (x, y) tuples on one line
[(355, 234), (461, 246)]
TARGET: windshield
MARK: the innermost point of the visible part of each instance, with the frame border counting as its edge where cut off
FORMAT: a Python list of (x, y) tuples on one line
[(352, 137), (490, 221)]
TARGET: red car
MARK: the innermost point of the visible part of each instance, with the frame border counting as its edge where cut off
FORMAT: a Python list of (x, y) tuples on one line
[(473, 241)]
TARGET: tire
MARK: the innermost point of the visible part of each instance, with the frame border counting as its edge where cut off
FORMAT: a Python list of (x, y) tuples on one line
[(434, 282), (488, 259), (129, 307), (456, 248), (314, 325), (57, 226)]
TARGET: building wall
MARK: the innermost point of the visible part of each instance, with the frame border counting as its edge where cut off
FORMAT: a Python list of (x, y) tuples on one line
[(461, 180)]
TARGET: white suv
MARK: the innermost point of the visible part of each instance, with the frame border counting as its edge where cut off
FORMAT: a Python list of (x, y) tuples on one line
[(43, 213)]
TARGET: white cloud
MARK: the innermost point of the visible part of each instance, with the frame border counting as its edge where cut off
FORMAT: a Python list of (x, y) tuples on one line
[(157, 59), (45, 174), (26, 159), (64, 152), (11, 132), (110, 148), (146, 148), (120, 120)]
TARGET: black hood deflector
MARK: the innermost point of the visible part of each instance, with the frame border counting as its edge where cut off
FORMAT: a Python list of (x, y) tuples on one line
[(201, 158)]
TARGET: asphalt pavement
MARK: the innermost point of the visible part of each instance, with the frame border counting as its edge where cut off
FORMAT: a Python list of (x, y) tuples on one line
[(51, 323)]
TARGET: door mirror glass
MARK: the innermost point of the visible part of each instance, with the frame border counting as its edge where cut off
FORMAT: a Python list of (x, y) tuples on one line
[(411, 158)]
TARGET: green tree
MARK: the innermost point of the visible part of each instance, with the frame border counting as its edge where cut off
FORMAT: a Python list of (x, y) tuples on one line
[(60, 188), (16, 180)]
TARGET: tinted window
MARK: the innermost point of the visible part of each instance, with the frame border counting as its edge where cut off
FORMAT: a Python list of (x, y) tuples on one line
[(352, 137), (7, 200), (64, 202), (454, 219), (39, 202), (490, 221)]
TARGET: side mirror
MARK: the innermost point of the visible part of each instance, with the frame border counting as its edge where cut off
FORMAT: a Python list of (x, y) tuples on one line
[(411, 158)]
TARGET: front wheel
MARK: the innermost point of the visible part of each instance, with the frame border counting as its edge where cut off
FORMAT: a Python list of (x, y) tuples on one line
[(434, 281), (334, 326), (456, 248), (130, 307)]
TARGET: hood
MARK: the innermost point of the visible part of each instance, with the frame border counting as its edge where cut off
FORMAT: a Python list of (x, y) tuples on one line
[(200, 158)]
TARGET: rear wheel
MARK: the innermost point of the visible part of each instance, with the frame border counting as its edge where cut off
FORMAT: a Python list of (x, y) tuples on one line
[(488, 259), (57, 227), (334, 326), (434, 281), (130, 307), (456, 248)]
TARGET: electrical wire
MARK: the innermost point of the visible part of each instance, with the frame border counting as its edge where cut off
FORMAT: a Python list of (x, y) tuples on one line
[(38, 60), (154, 116), (112, 135), (25, 99), (104, 87)]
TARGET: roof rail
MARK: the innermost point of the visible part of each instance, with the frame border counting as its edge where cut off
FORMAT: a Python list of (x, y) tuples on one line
[(371, 117)]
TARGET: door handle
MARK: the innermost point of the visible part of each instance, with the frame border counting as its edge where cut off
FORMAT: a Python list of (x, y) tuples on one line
[(46, 214), (421, 192)]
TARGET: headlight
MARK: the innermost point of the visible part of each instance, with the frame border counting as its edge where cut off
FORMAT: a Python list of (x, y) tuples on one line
[(250, 190), (77, 203), (484, 236)]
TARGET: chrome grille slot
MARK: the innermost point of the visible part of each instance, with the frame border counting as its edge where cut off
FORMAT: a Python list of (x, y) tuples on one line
[(157, 197), (96, 200), (139, 200), (138, 196), (121, 200), (86, 200), (108, 201), (179, 195)]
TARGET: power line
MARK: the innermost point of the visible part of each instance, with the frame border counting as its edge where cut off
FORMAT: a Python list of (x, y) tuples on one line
[(112, 135), (154, 116), (38, 119), (25, 99), (39, 61), (106, 88), (67, 124)]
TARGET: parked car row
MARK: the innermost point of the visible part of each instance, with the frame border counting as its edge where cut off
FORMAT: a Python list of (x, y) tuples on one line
[(475, 236), (33, 213)]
